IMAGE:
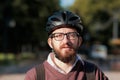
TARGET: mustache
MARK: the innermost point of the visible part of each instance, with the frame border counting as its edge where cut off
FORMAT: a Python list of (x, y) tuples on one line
[(67, 46)]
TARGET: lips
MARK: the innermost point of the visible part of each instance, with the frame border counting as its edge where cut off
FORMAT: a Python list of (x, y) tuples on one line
[(68, 47)]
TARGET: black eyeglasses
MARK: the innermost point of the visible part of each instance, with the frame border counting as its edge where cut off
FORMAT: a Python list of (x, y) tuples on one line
[(60, 36)]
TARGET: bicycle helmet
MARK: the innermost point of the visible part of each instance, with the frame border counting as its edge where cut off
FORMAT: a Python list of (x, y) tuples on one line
[(62, 19)]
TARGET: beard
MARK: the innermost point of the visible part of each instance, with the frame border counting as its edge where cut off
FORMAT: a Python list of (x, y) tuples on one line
[(66, 59), (65, 56)]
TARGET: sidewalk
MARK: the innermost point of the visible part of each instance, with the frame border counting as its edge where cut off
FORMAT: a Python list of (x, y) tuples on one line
[(112, 75), (12, 77)]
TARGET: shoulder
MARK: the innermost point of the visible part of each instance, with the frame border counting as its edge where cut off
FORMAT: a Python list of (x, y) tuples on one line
[(31, 71), (90, 66), (89, 63), (30, 74), (94, 69)]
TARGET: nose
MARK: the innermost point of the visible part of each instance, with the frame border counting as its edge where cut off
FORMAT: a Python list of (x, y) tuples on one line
[(66, 39)]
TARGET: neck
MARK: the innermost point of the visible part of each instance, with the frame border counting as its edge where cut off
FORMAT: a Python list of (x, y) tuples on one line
[(66, 67)]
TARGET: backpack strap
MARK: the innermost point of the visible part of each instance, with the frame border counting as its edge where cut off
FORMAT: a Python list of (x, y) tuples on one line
[(40, 72), (89, 69)]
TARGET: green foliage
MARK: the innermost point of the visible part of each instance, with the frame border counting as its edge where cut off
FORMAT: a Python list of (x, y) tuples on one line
[(88, 8), (6, 59), (97, 15), (30, 20), (32, 14)]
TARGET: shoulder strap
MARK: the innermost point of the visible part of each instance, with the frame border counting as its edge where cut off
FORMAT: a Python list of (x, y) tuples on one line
[(90, 70), (40, 72)]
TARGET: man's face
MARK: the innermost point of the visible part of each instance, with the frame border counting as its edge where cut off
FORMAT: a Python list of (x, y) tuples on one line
[(66, 48)]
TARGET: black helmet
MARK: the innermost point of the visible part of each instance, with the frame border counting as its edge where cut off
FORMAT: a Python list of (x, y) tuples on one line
[(64, 18)]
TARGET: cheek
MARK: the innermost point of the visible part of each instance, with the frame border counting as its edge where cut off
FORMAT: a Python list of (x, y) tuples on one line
[(55, 45), (76, 44)]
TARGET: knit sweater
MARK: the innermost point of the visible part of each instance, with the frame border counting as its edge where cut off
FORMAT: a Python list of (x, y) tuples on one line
[(79, 72)]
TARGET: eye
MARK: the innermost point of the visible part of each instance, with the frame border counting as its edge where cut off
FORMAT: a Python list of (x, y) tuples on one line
[(72, 34), (58, 35)]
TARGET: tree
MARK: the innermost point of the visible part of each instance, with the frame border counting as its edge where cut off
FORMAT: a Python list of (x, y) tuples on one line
[(98, 15), (29, 17)]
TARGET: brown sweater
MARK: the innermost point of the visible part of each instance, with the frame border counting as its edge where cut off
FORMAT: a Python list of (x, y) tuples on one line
[(79, 72)]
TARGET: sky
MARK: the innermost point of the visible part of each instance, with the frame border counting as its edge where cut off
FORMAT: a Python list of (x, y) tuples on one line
[(66, 3)]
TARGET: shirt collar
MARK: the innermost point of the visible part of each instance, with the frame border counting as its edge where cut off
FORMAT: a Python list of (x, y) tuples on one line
[(50, 61)]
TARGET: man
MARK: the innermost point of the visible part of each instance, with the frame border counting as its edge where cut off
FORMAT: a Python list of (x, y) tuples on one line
[(65, 32)]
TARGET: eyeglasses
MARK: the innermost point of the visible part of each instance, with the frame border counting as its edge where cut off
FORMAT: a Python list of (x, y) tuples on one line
[(60, 36)]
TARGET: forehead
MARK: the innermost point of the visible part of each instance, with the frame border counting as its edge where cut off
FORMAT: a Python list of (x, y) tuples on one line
[(64, 30)]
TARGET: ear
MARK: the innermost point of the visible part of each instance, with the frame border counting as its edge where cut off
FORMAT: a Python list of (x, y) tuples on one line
[(50, 42), (80, 41)]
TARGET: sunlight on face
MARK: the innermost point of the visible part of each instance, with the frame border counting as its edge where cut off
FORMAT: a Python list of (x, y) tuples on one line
[(65, 49)]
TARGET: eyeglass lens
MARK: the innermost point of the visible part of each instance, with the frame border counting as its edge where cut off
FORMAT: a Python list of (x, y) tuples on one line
[(60, 36)]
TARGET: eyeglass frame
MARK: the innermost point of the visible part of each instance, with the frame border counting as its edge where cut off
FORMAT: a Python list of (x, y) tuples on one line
[(67, 35)]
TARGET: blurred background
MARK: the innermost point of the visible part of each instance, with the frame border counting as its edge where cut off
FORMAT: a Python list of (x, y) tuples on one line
[(23, 40)]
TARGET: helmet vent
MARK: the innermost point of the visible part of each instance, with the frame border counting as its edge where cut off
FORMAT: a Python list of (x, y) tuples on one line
[(73, 18), (64, 16), (64, 19), (55, 19)]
